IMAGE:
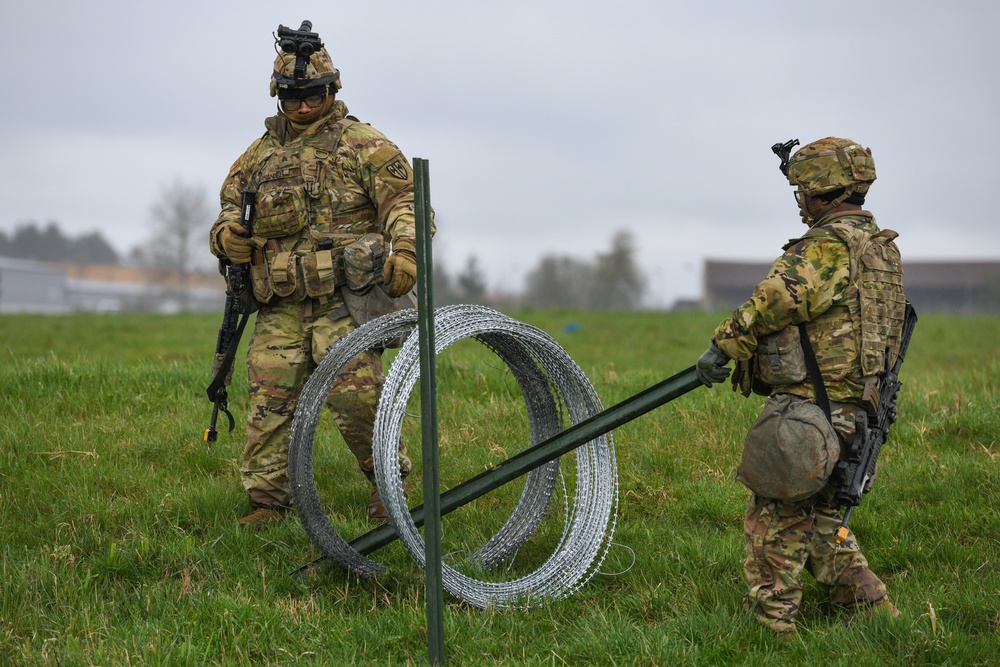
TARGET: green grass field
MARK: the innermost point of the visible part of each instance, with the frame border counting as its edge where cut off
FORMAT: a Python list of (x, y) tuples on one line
[(120, 545)]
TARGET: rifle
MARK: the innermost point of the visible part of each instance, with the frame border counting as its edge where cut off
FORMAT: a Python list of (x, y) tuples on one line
[(855, 473), (239, 301)]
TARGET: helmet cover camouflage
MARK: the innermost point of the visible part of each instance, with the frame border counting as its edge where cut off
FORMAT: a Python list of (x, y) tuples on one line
[(319, 72), (832, 164)]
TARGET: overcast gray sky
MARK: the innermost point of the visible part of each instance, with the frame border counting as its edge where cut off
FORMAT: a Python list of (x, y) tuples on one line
[(547, 125)]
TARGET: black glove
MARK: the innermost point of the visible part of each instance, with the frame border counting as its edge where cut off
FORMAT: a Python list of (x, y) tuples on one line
[(711, 366)]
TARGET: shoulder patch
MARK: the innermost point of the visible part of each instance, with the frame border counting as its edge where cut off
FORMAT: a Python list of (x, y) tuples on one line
[(389, 163), (383, 156)]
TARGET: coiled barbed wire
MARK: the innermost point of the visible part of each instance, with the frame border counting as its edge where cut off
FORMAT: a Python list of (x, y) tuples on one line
[(378, 332), (543, 413), (548, 379)]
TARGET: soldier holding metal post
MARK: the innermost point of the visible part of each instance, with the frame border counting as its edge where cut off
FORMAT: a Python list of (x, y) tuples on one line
[(816, 336)]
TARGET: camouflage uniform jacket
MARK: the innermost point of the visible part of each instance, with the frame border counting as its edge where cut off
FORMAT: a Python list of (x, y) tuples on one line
[(812, 283), (335, 181)]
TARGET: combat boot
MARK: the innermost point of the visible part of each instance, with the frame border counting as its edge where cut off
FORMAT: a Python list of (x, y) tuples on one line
[(262, 517), (376, 510), (884, 608), (867, 610)]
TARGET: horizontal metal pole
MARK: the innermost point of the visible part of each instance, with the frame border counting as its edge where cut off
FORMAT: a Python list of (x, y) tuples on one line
[(540, 454)]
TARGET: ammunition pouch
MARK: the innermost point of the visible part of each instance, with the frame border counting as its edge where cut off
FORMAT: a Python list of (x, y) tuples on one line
[(779, 358), (364, 262), (297, 275), (790, 451), (320, 270)]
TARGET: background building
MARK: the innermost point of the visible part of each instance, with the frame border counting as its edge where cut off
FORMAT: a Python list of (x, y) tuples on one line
[(964, 288), (28, 286)]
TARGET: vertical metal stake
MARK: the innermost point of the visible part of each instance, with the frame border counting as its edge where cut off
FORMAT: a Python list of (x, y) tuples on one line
[(428, 414)]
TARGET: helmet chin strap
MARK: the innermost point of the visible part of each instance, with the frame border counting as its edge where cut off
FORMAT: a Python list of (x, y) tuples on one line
[(811, 220)]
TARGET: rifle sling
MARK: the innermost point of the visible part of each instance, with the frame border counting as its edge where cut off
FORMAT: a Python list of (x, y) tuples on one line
[(219, 381), (813, 367)]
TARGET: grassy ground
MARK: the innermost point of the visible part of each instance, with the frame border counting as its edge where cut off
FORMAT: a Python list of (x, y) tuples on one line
[(120, 545)]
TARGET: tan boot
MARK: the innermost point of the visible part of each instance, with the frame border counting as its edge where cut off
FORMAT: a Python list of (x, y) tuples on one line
[(262, 517), (885, 608), (376, 510)]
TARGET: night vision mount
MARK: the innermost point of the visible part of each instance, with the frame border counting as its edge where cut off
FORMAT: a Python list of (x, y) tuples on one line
[(302, 42), (782, 151)]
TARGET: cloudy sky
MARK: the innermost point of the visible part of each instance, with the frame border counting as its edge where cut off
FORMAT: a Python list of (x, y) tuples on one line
[(548, 126)]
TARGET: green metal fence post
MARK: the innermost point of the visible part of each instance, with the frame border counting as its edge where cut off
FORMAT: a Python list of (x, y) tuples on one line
[(540, 454), (428, 414)]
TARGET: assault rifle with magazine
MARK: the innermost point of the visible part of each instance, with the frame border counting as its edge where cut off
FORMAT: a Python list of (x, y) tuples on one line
[(854, 474), (239, 301)]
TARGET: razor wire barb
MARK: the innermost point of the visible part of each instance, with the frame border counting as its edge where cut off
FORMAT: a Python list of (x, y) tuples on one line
[(554, 389)]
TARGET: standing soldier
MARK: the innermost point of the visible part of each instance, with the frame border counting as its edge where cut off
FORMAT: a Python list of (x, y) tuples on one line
[(333, 211), (814, 333)]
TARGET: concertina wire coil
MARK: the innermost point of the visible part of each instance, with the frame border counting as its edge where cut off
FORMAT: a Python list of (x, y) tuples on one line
[(550, 382)]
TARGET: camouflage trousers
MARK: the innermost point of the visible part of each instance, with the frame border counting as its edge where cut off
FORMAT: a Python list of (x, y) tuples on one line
[(288, 342), (783, 539)]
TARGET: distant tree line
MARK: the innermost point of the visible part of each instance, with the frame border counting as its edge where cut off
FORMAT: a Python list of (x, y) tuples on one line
[(49, 244), (611, 281)]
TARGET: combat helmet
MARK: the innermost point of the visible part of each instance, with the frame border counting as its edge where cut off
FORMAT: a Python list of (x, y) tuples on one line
[(302, 62), (832, 164), (840, 168)]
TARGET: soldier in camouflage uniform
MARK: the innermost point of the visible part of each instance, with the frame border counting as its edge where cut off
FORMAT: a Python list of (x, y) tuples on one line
[(323, 181), (843, 280)]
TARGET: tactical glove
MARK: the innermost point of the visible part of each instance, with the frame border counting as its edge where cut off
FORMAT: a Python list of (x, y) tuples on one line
[(400, 273), (711, 366), (235, 242)]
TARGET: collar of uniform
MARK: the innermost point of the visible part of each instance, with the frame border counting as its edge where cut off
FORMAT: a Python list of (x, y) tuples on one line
[(821, 229), (836, 217)]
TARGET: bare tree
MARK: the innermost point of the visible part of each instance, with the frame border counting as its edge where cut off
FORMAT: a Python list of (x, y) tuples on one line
[(471, 282), (613, 281), (180, 219), (445, 293), (618, 282), (558, 282)]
